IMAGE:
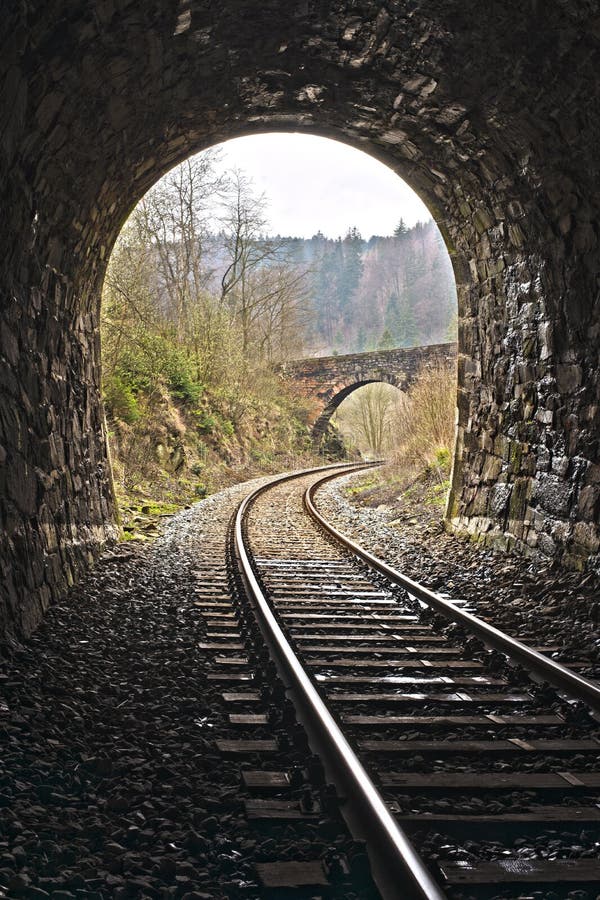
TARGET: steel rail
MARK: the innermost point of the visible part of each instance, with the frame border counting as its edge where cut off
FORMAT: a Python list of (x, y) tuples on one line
[(572, 684), (405, 871)]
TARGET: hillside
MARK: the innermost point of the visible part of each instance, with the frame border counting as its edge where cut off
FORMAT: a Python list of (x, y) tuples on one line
[(394, 291)]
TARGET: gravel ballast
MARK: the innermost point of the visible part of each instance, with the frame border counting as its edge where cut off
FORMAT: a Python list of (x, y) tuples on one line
[(542, 604), (111, 783)]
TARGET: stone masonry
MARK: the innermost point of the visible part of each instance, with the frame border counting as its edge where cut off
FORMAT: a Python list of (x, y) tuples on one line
[(328, 380), (490, 111)]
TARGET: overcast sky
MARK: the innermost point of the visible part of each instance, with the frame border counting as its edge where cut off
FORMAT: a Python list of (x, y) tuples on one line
[(314, 183)]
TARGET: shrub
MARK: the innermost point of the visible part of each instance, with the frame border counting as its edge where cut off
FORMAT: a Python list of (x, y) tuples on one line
[(424, 420), (180, 376), (262, 457), (206, 422), (120, 400), (153, 358), (442, 458)]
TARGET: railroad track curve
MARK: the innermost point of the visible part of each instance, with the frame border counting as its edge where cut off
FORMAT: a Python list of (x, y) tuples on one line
[(466, 760)]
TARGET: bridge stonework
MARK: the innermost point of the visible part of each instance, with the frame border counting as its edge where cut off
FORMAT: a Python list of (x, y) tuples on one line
[(328, 380), (99, 98)]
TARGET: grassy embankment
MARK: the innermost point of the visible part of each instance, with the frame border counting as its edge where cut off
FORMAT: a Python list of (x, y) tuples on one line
[(417, 475), (174, 442)]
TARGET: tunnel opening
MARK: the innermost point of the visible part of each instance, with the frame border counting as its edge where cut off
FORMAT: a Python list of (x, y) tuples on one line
[(101, 103), (213, 287)]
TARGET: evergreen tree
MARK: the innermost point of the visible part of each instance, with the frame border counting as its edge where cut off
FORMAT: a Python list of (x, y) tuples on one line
[(361, 339), (393, 319), (386, 341), (408, 328), (325, 288), (352, 248), (403, 283)]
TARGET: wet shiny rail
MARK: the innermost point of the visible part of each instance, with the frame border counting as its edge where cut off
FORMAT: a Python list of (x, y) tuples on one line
[(560, 676), (356, 656)]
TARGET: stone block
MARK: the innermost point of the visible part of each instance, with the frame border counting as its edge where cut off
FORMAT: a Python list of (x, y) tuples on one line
[(492, 466), (519, 498), (502, 446), (545, 416), (588, 506), (592, 475), (560, 465), (568, 378), (586, 534), (516, 235), (553, 494), (479, 506), (543, 460), (22, 485), (546, 545), (499, 500)]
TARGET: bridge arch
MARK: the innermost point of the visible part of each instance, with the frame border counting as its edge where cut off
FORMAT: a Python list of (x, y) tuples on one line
[(342, 392), (99, 99), (326, 381)]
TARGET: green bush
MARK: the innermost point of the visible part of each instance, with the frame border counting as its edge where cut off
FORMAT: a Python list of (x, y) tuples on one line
[(120, 400), (153, 358), (442, 458), (138, 367), (206, 422), (436, 496), (180, 377), (261, 456)]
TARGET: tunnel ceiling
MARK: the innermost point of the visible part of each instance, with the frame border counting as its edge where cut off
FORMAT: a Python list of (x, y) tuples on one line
[(490, 111), (469, 103)]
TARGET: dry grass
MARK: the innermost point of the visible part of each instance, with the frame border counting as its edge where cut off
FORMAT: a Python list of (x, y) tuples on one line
[(423, 425)]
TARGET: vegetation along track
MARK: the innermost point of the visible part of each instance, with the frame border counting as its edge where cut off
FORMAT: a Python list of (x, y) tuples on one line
[(440, 732)]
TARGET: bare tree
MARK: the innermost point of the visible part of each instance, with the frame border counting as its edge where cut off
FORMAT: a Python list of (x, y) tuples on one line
[(284, 314), (366, 416), (174, 218), (263, 290), (223, 298), (128, 308)]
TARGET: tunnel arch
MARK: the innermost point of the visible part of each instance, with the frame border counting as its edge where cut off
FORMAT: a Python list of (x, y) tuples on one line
[(100, 99)]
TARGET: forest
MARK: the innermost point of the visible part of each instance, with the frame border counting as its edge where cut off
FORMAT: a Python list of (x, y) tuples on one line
[(199, 305), (390, 291), (354, 294)]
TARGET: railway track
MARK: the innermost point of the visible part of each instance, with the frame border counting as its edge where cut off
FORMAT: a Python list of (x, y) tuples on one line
[(467, 773)]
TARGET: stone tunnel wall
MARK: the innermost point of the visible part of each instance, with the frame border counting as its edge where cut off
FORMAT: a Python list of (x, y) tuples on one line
[(58, 509), (490, 111)]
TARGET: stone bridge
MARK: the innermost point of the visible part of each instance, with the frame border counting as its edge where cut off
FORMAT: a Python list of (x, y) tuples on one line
[(98, 99), (328, 380)]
